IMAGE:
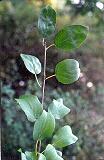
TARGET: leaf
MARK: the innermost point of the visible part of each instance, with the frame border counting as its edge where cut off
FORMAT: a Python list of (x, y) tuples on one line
[(28, 155), (44, 126), (58, 109), (51, 153), (31, 106), (59, 153), (64, 137), (67, 71), (31, 155), (41, 157), (32, 63), (47, 21), (71, 37), (23, 156)]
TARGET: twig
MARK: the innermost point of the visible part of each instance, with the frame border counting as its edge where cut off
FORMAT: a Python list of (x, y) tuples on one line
[(36, 147), (50, 46), (44, 74), (50, 76), (39, 146)]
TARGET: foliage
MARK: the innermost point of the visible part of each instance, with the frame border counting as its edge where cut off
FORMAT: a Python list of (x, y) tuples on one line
[(83, 7), (16, 123), (47, 21), (23, 34), (18, 16), (58, 109), (70, 38), (16, 130), (12, 128), (67, 71), (31, 106)]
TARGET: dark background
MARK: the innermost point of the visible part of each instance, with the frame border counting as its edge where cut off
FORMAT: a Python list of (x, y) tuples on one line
[(85, 98)]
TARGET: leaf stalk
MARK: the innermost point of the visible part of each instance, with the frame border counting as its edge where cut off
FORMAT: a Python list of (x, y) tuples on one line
[(50, 77), (50, 46)]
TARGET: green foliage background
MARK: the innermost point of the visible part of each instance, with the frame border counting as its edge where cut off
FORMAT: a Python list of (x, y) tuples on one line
[(18, 34)]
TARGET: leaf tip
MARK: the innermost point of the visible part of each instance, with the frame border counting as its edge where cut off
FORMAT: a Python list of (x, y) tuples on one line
[(19, 150), (21, 54), (16, 99)]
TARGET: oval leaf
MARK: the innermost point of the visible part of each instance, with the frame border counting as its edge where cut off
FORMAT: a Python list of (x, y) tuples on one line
[(47, 21), (31, 106), (51, 153), (71, 37), (64, 137), (67, 71), (58, 109), (32, 63), (41, 157), (44, 126)]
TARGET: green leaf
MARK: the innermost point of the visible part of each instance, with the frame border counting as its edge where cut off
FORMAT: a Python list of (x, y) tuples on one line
[(28, 155), (71, 37), (44, 126), (47, 21), (59, 153), (67, 71), (31, 155), (41, 157), (32, 63), (31, 106), (58, 109), (23, 156), (51, 153), (64, 137)]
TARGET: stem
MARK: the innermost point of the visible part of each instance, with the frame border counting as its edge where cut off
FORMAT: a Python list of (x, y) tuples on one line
[(50, 76), (39, 146), (38, 143), (36, 147), (36, 76), (44, 74), (50, 46), (37, 80)]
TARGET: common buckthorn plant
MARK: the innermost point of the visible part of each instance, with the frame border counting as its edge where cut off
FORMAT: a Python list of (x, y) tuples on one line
[(66, 72)]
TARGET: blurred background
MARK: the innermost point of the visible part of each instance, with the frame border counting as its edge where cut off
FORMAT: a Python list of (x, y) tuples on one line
[(85, 98)]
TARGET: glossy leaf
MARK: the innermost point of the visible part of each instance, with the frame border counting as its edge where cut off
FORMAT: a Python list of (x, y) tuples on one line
[(58, 109), (71, 37), (47, 21), (64, 137), (41, 157), (32, 63), (67, 71), (31, 106), (44, 126), (51, 153)]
